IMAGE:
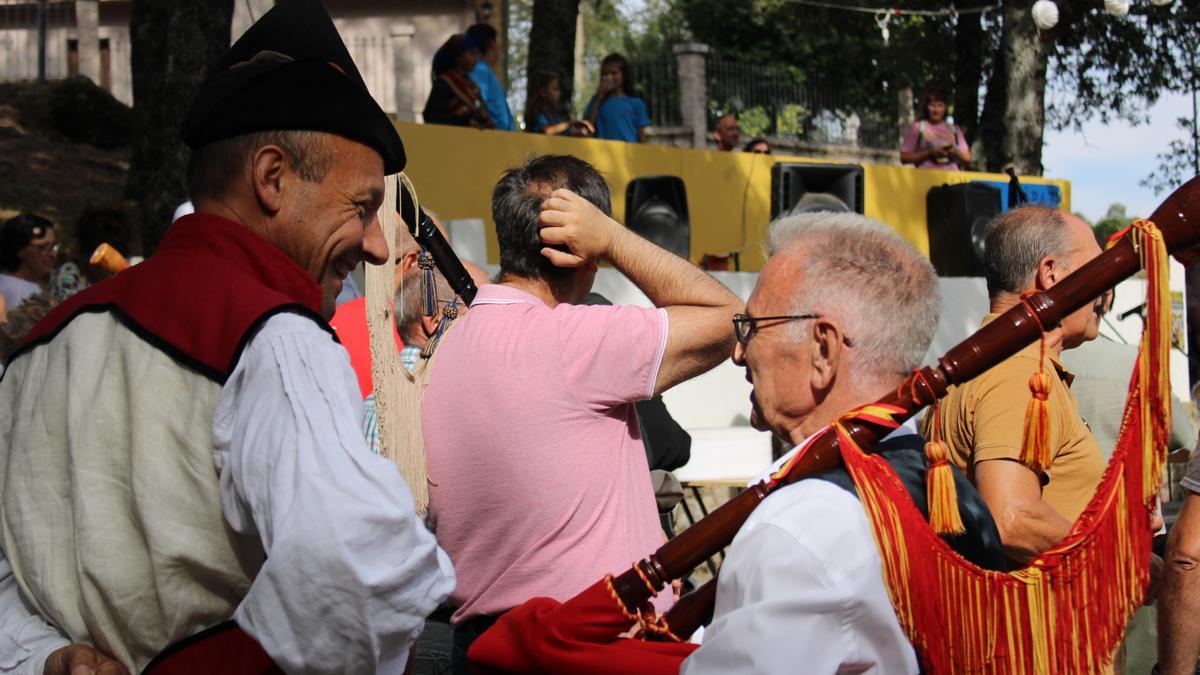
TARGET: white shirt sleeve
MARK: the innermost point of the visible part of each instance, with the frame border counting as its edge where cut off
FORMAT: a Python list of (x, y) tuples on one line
[(802, 589), (25, 639), (351, 572)]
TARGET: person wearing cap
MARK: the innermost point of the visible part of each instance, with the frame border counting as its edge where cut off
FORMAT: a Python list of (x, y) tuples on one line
[(455, 99), (180, 445)]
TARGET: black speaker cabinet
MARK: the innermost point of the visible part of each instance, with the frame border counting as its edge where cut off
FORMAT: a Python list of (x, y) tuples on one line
[(656, 208), (958, 218), (804, 188)]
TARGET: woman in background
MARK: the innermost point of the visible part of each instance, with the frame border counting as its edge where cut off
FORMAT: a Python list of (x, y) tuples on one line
[(455, 98), (28, 254), (616, 111), (931, 141), (545, 112)]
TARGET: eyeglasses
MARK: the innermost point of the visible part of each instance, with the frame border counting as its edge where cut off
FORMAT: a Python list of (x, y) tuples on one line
[(45, 248), (745, 326)]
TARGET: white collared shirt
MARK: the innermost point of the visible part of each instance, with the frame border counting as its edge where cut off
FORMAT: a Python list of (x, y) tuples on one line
[(802, 590)]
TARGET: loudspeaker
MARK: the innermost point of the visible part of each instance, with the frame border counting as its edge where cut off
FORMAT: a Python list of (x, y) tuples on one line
[(804, 188), (656, 208), (958, 218)]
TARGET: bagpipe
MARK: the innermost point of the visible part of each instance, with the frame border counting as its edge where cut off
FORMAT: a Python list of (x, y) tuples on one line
[(1065, 612)]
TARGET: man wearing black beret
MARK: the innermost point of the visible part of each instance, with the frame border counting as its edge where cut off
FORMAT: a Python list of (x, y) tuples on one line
[(180, 446)]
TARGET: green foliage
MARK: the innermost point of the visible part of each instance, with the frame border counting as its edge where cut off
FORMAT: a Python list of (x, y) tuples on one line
[(520, 19), (1108, 68), (1180, 162), (1113, 221), (845, 49)]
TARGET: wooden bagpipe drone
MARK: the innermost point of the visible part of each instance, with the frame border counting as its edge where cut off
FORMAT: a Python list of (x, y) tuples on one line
[(1065, 612)]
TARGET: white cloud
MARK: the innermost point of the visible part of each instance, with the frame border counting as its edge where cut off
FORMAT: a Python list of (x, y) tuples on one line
[(1105, 162)]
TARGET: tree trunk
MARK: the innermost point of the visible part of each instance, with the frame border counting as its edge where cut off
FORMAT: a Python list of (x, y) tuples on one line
[(1025, 56), (986, 146), (552, 41), (174, 45), (968, 72)]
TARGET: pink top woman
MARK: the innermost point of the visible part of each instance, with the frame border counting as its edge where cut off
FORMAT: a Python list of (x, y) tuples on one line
[(931, 142)]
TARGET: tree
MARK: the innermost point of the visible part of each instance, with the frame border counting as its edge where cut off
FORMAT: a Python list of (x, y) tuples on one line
[(174, 46), (1115, 220), (1092, 65), (552, 41), (1180, 162)]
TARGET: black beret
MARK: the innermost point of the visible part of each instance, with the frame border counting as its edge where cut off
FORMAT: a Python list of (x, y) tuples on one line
[(291, 71)]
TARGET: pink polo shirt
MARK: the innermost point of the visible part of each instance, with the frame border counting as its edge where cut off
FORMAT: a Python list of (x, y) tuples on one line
[(538, 481)]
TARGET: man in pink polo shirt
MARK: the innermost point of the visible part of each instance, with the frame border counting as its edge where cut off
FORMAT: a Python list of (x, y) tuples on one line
[(538, 479)]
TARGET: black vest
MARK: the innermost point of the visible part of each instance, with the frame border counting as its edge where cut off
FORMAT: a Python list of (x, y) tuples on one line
[(906, 454)]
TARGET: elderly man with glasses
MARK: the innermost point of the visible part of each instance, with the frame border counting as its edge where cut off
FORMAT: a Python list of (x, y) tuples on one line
[(843, 310)]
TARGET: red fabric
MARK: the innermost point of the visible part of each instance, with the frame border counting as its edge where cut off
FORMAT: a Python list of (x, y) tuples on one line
[(578, 637), (210, 281), (350, 324), (225, 649)]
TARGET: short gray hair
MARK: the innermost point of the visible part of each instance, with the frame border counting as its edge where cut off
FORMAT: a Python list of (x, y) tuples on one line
[(1017, 242), (883, 291), (214, 165)]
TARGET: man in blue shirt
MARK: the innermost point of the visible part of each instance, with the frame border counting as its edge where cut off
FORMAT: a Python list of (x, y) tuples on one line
[(489, 87)]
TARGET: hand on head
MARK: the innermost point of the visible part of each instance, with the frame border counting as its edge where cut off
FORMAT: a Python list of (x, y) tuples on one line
[(570, 221)]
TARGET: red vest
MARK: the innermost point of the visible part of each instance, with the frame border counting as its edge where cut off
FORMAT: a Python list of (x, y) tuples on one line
[(200, 296)]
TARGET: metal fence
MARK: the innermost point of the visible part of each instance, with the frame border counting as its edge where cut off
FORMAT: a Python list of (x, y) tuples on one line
[(773, 101), (21, 50), (657, 82)]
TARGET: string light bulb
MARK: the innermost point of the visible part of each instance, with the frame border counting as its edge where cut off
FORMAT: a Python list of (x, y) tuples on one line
[(1045, 14), (1117, 8)]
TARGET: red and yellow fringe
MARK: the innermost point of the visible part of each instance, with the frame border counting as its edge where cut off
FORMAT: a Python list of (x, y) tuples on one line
[(1067, 611), (1038, 437)]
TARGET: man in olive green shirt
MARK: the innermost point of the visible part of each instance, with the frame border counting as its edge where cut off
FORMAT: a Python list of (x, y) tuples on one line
[(1031, 248)]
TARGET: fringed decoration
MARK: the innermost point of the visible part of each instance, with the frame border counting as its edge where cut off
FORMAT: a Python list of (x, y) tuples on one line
[(940, 492), (1067, 611), (1154, 353), (449, 314), (428, 285), (1038, 438)]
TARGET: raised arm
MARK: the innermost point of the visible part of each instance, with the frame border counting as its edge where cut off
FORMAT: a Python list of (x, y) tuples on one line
[(699, 308)]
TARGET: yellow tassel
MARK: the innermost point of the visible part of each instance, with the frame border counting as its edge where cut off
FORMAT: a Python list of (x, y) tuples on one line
[(1038, 439), (940, 491)]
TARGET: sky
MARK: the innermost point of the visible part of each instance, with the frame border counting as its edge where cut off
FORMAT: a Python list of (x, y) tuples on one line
[(1106, 163)]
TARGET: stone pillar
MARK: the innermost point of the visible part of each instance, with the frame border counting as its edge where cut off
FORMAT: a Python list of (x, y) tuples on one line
[(87, 26), (402, 70), (693, 91)]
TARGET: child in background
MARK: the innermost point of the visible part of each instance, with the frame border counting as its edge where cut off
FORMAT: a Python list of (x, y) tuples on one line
[(544, 112), (617, 112)]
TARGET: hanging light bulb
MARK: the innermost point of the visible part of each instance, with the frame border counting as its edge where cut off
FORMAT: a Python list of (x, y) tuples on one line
[(1045, 14), (1161, 3), (1117, 8)]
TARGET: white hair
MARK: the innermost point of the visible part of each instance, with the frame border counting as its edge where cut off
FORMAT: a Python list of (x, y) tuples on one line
[(881, 290)]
